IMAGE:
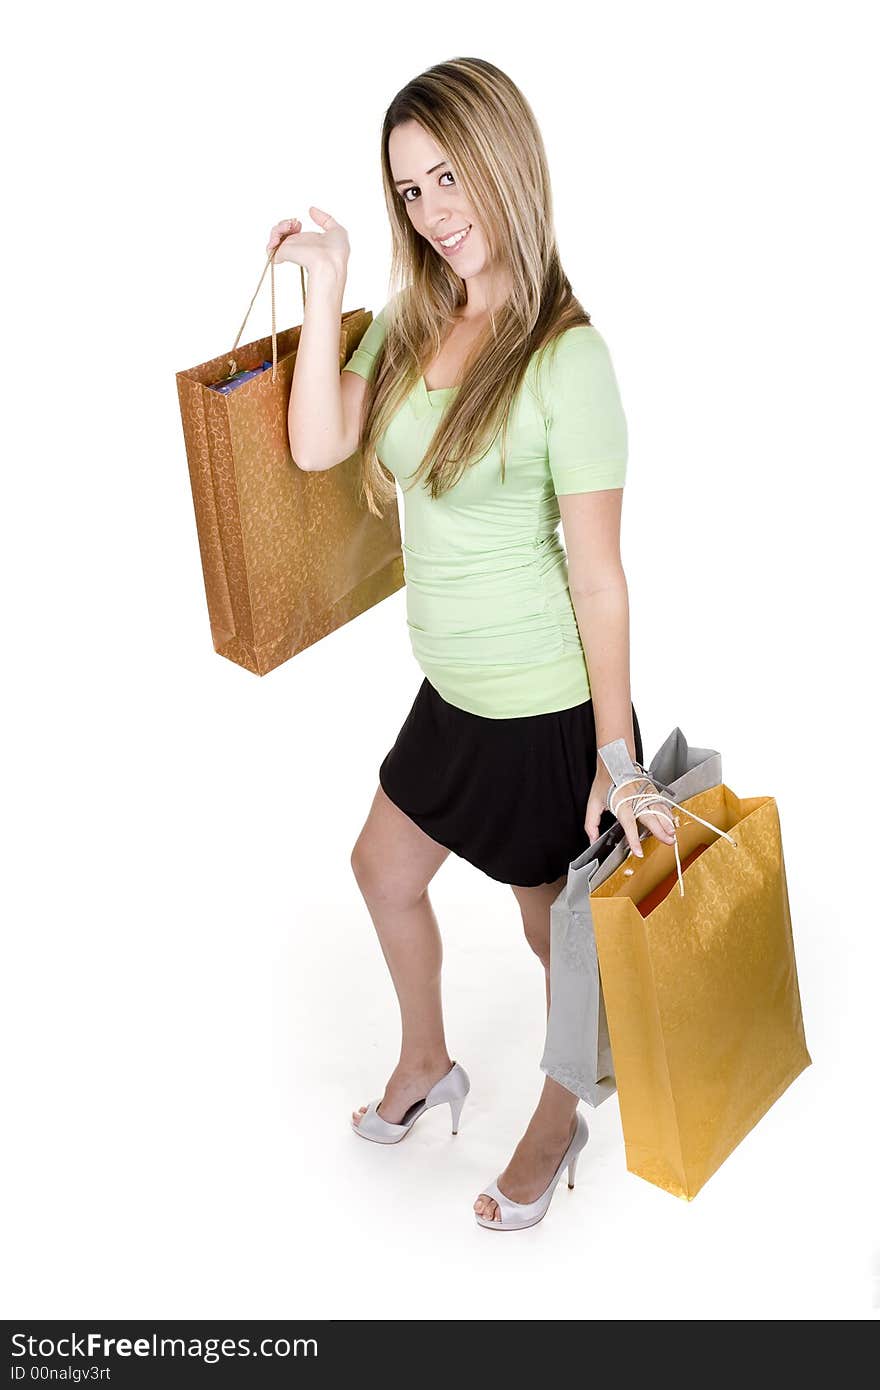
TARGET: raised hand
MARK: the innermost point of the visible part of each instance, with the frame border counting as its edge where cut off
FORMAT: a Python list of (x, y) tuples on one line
[(315, 250)]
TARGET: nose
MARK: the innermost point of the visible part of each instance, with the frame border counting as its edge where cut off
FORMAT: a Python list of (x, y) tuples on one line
[(439, 221)]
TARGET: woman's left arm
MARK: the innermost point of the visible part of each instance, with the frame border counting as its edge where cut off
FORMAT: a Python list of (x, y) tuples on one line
[(599, 595)]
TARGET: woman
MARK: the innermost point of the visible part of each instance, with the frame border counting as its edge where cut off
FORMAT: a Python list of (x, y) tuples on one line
[(525, 653)]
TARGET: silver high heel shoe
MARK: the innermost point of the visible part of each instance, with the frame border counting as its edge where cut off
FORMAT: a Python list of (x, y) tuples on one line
[(516, 1215), (451, 1090)]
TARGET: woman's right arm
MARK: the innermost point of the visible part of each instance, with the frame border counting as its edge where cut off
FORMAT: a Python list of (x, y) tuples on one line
[(316, 415), (324, 412)]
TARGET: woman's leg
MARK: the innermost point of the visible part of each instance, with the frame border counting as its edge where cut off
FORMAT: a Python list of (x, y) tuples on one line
[(551, 1127), (393, 862)]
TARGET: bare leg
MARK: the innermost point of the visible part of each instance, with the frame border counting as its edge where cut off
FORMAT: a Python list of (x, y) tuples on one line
[(550, 1130), (393, 862)]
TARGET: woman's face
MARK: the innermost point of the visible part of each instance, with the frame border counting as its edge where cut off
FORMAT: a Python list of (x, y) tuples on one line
[(425, 183)]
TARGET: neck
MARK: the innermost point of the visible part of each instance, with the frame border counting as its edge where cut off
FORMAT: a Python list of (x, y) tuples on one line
[(484, 295)]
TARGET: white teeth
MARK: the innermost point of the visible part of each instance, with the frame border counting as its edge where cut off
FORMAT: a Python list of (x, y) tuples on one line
[(454, 240)]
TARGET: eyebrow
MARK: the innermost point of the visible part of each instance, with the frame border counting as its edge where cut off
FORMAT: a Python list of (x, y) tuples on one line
[(398, 182)]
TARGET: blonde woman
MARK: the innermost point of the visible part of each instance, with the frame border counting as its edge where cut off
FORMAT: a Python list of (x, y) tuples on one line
[(483, 391)]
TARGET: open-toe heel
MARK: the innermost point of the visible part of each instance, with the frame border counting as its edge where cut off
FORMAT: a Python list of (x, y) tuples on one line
[(451, 1089), (515, 1216)]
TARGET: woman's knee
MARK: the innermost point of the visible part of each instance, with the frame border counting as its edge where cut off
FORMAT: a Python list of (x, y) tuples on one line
[(393, 860), (383, 879), (365, 864), (534, 905), (537, 933)]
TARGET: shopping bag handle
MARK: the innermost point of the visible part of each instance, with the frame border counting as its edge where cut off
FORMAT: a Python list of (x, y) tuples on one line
[(302, 278), (622, 769)]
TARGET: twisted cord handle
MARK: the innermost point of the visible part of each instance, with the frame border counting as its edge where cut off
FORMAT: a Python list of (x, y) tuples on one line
[(646, 802), (302, 280)]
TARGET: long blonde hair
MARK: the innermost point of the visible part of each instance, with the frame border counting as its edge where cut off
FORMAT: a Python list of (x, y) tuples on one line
[(488, 132)]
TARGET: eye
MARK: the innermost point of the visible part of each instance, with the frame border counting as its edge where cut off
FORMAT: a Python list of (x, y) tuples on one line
[(447, 173)]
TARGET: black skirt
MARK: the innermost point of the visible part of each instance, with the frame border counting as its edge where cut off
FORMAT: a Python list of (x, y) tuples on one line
[(508, 795)]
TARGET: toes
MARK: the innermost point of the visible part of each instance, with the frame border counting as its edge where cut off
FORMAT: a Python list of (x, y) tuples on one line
[(358, 1115), (487, 1208)]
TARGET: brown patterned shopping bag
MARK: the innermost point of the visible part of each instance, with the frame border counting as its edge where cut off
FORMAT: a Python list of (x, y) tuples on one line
[(287, 556)]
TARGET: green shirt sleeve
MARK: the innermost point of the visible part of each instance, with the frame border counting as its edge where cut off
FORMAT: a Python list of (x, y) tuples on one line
[(587, 441), (363, 359)]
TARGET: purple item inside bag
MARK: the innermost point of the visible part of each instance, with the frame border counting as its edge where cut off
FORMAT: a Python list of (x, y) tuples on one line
[(229, 383)]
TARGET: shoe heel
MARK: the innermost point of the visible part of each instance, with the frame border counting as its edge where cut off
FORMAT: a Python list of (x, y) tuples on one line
[(571, 1169), (456, 1106)]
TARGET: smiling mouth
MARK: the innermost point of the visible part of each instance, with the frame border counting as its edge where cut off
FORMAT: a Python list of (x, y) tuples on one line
[(461, 239)]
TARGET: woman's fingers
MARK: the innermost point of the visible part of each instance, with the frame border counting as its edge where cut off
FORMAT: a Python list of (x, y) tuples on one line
[(655, 822), (658, 826), (635, 844), (630, 829), (595, 808), (661, 823), (281, 230), (322, 218), (658, 822)]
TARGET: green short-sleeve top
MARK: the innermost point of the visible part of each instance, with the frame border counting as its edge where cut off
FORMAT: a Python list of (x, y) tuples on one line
[(489, 612)]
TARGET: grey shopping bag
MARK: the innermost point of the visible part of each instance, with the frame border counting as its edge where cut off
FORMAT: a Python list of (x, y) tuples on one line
[(577, 1051)]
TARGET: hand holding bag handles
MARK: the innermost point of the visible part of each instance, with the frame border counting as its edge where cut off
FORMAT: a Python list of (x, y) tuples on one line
[(287, 556), (623, 771)]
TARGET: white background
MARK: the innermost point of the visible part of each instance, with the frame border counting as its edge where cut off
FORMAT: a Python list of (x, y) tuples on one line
[(194, 998)]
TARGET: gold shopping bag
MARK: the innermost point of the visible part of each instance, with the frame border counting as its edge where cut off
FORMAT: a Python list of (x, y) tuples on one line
[(700, 987), (287, 556)]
